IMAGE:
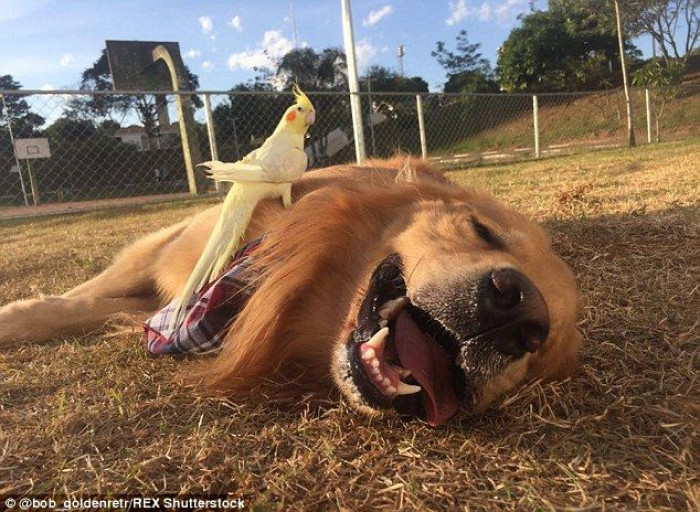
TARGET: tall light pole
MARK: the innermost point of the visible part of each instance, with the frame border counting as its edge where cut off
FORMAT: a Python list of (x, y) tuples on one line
[(355, 106), (400, 52), (630, 128), (294, 24)]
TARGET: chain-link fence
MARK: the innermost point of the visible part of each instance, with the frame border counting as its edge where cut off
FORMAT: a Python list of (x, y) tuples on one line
[(107, 145)]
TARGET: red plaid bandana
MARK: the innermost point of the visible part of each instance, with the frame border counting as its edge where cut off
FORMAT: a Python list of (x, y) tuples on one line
[(208, 313)]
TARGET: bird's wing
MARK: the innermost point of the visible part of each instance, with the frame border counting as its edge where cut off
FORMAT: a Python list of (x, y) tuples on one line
[(283, 162), (250, 157), (235, 171)]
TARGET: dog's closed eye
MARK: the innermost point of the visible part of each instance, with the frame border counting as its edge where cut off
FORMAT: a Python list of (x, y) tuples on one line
[(488, 235)]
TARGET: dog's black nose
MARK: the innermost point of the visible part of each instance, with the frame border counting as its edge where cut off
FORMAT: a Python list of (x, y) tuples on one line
[(514, 308)]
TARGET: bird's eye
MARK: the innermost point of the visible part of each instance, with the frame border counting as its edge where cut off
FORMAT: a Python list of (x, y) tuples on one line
[(299, 109)]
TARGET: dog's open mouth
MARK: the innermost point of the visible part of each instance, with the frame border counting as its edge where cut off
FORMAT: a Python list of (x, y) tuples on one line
[(400, 356)]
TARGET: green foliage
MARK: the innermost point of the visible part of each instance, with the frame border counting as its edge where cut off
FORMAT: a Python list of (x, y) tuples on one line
[(567, 48), (663, 78), (465, 58), (385, 80), (467, 70), (65, 130), (15, 107), (471, 82), (660, 75), (313, 71)]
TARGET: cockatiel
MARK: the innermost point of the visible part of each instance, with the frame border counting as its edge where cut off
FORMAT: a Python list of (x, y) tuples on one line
[(266, 172)]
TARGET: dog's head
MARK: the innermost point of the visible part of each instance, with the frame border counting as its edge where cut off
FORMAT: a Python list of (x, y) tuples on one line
[(466, 301), (415, 297)]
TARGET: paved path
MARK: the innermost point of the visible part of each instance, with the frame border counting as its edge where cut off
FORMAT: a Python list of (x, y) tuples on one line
[(18, 212)]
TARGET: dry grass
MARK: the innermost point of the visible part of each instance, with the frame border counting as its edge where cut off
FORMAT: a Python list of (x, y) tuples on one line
[(96, 416)]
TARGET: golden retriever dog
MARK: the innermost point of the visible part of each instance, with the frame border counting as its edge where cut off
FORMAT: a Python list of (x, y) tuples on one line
[(411, 294)]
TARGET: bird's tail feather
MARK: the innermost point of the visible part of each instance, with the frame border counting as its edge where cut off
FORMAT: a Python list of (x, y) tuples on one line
[(223, 241), (234, 171)]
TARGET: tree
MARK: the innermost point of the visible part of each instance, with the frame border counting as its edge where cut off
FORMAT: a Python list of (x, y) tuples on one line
[(471, 82), (674, 25), (467, 70), (382, 79), (147, 106), (664, 80), (64, 130), (15, 107), (313, 71), (563, 49)]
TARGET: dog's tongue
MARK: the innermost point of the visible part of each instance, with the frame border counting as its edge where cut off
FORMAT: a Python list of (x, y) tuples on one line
[(430, 366)]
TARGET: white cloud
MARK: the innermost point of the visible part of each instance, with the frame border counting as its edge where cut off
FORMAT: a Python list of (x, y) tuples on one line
[(503, 11), (375, 17), (212, 37), (47, 87), (16, 9), (207, 65), (273, 46), (235, 23), (485, 12), (192, 53), (509, 8), (206, 23), (66, 60), (458, 11), (364, 52)]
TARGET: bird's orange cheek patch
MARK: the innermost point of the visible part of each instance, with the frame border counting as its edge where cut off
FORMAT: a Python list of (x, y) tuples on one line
[(291, 116)]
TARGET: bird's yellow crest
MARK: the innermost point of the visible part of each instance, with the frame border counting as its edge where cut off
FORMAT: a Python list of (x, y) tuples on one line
[(302, 99)]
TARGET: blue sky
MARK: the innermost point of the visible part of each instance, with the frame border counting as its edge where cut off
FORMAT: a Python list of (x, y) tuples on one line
[(47, 43)]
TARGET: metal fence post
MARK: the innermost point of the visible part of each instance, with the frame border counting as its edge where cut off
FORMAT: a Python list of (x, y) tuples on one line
[(211, 133), (6, 112), (36, 198), (536, 123), (648, 104), (421, 127)]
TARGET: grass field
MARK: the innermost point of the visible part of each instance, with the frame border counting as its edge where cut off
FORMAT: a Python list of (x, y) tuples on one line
[(95, 416)]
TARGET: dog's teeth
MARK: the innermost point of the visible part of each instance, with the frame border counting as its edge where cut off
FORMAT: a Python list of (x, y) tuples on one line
[(391, 308), (406, 389), (376, 371), (391, 390), (400, 370), (377, 341), (383, 323), (386, 382), (375, 363), (368, 354)]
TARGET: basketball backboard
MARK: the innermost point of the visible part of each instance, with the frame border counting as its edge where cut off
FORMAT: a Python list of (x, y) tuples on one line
[(29, 149), (135, 68)]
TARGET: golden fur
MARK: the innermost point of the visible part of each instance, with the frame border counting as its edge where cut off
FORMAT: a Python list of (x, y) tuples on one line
[(315, 265)]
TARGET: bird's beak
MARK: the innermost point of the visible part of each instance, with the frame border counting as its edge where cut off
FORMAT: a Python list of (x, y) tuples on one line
[(310, 118)]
